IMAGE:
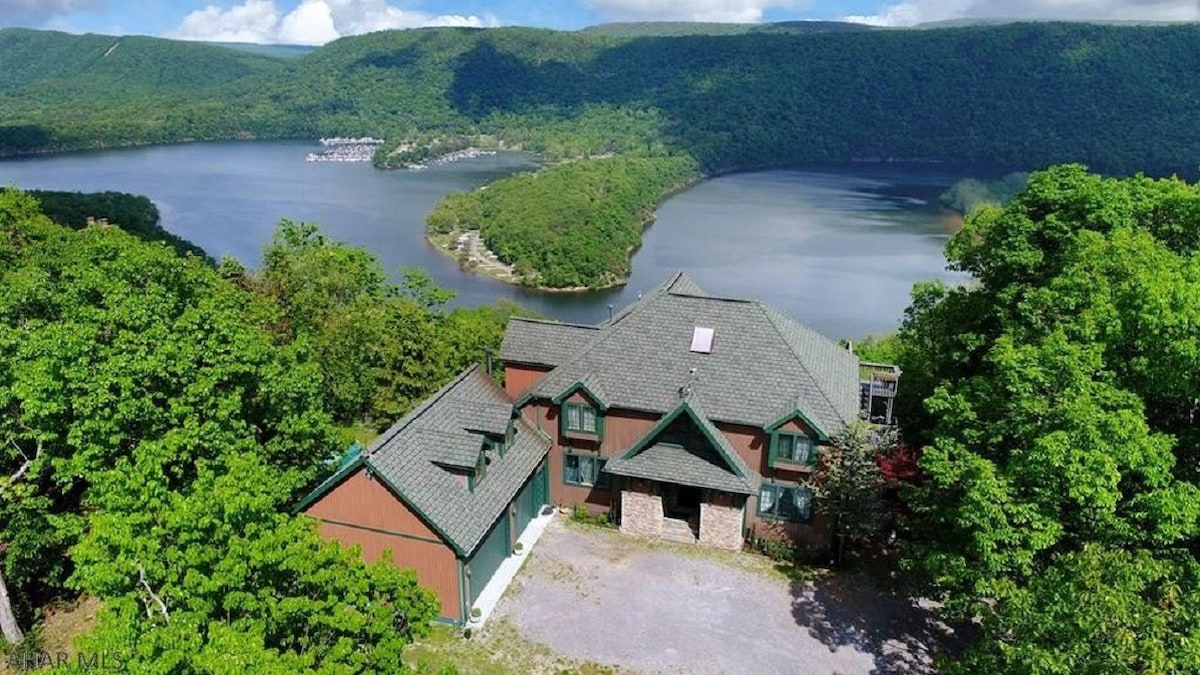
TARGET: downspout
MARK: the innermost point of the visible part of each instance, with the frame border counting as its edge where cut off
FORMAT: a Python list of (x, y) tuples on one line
[(462, 592)]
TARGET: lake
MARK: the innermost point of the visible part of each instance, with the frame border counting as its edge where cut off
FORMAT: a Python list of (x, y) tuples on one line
[(836, 248)]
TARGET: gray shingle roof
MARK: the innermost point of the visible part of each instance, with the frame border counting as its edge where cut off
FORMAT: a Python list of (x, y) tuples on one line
[(674, 464), (762, 364), (713, 465), (404, 456), (547, 343)]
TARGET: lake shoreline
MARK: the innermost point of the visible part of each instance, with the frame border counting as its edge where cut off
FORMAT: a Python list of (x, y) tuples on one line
[(447, 244), (836, 246)]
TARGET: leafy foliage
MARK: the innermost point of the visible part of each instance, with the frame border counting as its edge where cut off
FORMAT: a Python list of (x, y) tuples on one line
[(381, 348), (159, 416), (1060, 457), (272, 593), (573, 225), (850, 484)]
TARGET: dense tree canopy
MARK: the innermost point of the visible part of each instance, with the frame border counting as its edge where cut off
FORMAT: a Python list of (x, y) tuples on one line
[(570, 225), (133, 213), (1060, 432), (160, 416)]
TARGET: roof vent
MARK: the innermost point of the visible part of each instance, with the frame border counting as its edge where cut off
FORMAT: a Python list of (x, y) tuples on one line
[(702, 340)]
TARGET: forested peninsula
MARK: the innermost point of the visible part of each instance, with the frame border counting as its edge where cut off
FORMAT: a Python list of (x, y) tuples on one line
[(677, 107)]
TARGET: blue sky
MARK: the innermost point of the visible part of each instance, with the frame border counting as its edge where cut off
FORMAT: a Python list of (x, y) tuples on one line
[(317, 21)]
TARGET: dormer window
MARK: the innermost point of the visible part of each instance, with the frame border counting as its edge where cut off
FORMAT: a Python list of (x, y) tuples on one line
[(580, 412), (580, 418), (793, 450)]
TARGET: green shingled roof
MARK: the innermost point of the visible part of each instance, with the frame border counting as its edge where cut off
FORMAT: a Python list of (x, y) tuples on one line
[(676, 464), (707, 461), (406, 457), (546, 343), (762, 365)]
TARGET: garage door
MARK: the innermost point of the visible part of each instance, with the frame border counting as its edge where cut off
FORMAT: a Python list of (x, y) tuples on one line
[(488, 557), (531, 499)]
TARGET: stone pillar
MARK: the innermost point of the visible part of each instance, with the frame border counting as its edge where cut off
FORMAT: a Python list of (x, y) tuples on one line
[(721, 522), (641, 514)]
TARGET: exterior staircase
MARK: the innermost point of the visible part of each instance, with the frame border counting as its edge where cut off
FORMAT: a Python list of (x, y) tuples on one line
[(679, 530)]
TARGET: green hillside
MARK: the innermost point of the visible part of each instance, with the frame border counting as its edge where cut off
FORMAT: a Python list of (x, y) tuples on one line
[(1019, 96), (679, 28)]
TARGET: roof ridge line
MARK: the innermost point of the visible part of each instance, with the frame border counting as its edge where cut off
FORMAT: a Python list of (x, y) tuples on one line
[(767, 312), (744, 301), (406, 421), (554, 322)]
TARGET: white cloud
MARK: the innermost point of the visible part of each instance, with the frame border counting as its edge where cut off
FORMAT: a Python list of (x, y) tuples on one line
[(310, 22), (909, 12), (734, 11)]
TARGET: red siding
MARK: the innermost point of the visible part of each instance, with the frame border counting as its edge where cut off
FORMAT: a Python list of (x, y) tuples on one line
[(518, 378), (362, 512), (435, 564), (623, 428), (365, 502)]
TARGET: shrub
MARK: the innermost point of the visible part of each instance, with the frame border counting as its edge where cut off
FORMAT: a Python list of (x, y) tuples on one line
[(580, 514)]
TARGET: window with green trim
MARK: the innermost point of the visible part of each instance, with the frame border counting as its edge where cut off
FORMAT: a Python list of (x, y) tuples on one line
[(580, 418), (785, 502), (795, 449), (584, 470)]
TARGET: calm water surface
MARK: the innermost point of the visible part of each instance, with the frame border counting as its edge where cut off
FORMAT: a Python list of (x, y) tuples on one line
[(837, 248)]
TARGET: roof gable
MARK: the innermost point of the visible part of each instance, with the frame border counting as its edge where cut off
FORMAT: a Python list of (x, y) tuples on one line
[(735, 476), (583, 388)]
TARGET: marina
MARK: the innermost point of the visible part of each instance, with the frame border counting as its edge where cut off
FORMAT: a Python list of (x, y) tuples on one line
[(340, 149)]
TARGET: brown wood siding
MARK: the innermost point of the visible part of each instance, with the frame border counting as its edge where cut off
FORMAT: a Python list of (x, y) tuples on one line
[(366, 502), (815, 534), (796, 426), (518, 377), (435, 564), (622, 428), (750, 443)]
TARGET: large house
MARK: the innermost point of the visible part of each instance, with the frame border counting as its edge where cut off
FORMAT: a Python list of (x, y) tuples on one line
[(685, 416)]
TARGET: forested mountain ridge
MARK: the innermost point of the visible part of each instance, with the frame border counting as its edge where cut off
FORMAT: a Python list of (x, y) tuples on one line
[(1020, 96)]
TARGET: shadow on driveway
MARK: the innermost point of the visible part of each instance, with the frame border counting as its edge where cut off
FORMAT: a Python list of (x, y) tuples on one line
[(901, 633)]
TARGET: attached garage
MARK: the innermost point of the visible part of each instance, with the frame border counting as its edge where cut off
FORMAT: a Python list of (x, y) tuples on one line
[(533, 496), (441, 490), (487, 558)]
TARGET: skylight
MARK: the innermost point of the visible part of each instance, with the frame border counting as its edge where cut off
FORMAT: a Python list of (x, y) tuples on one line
[(702, 339)]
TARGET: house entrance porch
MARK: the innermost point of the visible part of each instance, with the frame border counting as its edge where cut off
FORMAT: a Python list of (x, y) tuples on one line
[(682, 513)]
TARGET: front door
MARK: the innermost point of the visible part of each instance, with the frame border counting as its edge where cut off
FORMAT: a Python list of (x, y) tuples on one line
[(683, 502)]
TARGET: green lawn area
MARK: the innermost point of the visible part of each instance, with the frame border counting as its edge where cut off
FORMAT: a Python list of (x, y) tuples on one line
[(499, 649)]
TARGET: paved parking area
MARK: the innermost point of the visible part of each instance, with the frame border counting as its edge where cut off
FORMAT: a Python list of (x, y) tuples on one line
[(596, 595)]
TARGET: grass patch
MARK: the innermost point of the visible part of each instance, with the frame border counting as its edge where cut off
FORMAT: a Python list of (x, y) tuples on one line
[(55, 633), (498, 649)]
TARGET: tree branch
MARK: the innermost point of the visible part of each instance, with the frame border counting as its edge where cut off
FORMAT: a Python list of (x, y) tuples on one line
[(28, 461), (162, 606)]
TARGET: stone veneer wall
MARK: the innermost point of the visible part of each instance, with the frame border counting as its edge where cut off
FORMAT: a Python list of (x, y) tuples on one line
[(641, 514), (721, 526)]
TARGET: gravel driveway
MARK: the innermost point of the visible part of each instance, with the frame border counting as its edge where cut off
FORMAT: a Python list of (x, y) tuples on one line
[(596, 595)]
